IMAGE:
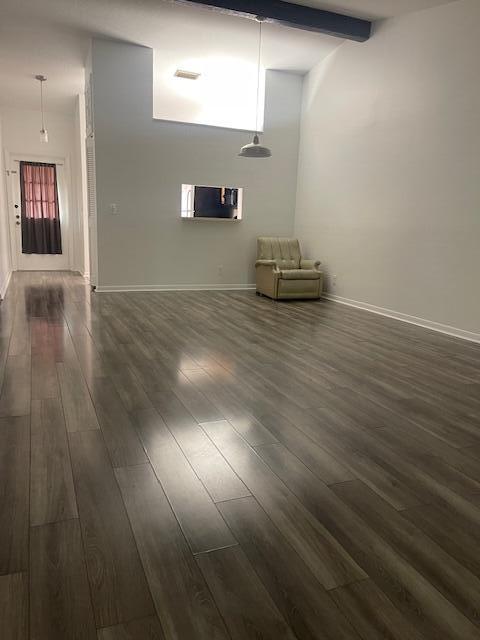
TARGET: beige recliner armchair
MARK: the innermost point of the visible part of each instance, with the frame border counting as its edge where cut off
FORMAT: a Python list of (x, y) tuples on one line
[(282, 273)]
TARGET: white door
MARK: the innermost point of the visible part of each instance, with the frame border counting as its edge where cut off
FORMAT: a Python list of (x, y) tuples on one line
[(37, 262)]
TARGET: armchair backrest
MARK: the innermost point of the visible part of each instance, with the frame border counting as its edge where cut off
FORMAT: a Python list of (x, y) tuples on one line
[(285, 251)]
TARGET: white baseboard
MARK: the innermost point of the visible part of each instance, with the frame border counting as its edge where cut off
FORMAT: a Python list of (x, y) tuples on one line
[(174, 287), (4, 285), (403, 317)]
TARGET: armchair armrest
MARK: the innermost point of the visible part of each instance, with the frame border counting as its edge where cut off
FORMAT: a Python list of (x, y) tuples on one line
[(266, 263), (310, 264)]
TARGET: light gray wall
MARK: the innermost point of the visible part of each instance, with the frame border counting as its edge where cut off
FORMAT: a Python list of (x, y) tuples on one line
[(5, 262), (389, 169), (141, 164)]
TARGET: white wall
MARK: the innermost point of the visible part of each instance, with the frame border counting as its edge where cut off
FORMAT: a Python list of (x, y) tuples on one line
[(21, 136), (5, 263), (21, 129), (389, 169), (141, 164), (225, 94)]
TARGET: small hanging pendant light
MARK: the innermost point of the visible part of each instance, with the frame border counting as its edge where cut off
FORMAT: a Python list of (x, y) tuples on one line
[(43, 131), (255, 149)]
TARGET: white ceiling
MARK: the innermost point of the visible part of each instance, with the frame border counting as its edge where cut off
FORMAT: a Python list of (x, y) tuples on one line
[(52, 37), (373, 9)]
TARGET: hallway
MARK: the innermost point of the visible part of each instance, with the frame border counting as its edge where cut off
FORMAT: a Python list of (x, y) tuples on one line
[(214, 465)]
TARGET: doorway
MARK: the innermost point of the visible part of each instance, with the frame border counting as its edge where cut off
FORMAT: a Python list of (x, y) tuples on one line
[(48, 248)]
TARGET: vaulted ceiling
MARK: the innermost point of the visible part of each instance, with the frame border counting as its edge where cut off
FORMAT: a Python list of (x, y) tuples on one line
[(373, 9), (52, 37)]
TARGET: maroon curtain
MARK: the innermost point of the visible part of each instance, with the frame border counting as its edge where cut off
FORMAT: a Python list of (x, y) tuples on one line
[(40, 210)]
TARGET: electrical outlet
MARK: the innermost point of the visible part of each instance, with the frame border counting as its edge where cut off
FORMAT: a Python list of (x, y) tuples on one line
[(113, 209), (334, 280)]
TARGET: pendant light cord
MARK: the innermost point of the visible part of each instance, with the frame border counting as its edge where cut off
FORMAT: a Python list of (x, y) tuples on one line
[(41, 104), (260, 20)]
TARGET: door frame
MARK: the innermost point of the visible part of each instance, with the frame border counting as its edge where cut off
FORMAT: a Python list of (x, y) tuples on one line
[(12, 162)]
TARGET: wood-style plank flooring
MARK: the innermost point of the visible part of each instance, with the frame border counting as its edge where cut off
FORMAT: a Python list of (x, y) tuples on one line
[(219, 466)]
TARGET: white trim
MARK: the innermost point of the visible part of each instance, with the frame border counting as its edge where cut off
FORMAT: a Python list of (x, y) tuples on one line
[(403, 317), (174, 287), (92, 218), (4, 285)]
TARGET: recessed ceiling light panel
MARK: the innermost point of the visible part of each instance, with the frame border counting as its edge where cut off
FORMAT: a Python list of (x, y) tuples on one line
[(188, 75)]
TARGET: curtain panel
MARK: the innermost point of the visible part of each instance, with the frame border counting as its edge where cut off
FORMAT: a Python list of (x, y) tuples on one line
[(40, 209)]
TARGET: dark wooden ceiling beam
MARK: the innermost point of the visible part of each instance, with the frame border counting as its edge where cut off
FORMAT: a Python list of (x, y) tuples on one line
[(294, 15)]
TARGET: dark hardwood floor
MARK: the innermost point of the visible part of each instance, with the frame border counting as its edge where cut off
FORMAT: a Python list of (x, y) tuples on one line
[(214, 466)]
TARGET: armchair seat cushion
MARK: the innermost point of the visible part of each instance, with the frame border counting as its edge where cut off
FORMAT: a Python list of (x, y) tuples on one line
[(300, 274), (286, 264)]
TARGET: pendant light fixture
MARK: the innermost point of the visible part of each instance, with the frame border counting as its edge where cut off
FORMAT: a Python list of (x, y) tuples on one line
[(43, 131), (255, 149)]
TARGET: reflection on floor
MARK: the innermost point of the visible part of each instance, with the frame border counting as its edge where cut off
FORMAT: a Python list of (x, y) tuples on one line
[(202, 465)]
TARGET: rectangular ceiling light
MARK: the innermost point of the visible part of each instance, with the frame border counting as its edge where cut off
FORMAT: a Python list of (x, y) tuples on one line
[(188, 75)]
